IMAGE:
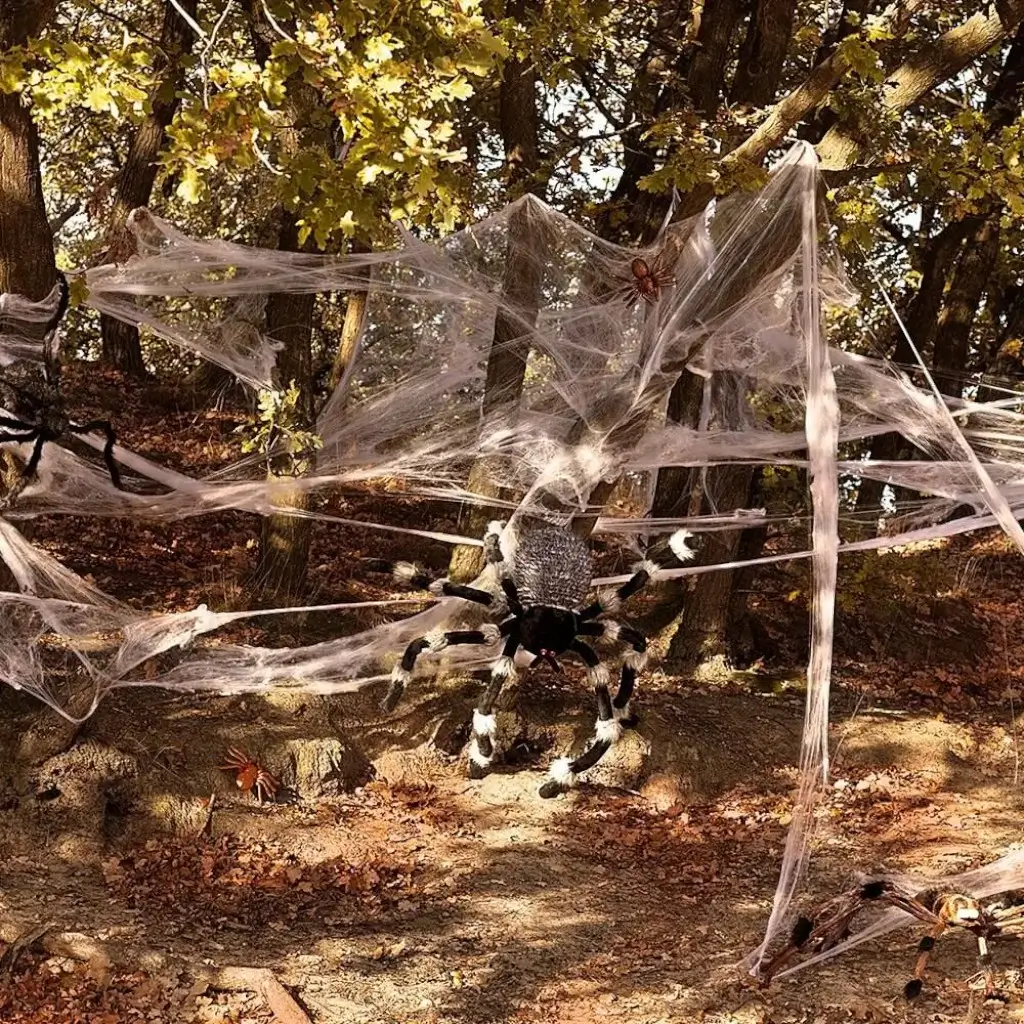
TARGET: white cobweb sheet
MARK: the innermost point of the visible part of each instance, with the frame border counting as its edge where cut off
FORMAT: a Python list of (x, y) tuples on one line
[(742, 317)]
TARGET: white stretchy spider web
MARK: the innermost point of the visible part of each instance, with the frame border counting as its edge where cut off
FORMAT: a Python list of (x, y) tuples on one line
[(742, 319)]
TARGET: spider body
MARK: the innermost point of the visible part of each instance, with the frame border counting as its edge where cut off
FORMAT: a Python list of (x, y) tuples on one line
[(551, 570), (830, 924), (544, 583), (250, 775), (41, 413), (646, 279)]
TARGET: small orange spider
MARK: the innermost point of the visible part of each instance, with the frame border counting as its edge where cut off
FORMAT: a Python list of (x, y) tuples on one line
[(646, 279), (251, 774)]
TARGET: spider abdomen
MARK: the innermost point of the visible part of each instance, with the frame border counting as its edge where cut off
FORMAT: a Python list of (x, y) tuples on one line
[(552, 567)]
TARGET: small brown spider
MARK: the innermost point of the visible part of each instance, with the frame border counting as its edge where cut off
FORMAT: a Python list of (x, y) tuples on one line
[(646, 279), (251, 775)]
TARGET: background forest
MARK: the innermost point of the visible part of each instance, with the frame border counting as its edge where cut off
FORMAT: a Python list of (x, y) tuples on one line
[(314, 127), (319, 128)]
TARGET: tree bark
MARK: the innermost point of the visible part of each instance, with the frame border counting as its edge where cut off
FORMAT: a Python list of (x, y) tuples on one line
[(763, 52), (351, 328), (930, 66), (121, 348), (1007, 367), (521, 285), (715, 611), (27, 263), (746, 639), (284, 544), (706, 81), (921, 320), (953, 330), (702, 638), (284, 541)]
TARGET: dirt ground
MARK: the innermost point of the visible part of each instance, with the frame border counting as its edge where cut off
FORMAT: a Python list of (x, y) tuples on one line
[(423, 896), (381, 885)]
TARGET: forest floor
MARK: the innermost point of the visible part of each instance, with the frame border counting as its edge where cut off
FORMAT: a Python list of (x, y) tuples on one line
[(390, 888)]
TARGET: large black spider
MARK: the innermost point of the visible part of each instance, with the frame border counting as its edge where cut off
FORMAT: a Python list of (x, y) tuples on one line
[(42, 414), (544, 583)]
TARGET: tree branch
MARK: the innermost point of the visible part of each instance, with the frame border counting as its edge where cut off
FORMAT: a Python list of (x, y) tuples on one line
[(796, 105), (930, 66), (586, 76)]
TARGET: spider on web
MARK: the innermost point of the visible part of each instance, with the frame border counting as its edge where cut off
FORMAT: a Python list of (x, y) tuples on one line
[(646, 279), (829, 924), (41, 413), (543, 611)]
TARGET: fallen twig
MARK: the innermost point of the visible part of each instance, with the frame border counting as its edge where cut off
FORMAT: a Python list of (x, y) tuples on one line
[(73, 945), (207, 828), (261, 981), (19, 945)]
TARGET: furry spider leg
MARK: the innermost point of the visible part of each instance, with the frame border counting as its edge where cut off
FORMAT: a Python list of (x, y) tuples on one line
[(108, 449), (830, 924), (14, 424), (643, 572), (436, 641), (416, 577), (566, 771), (633, 663), (912, 989), (483, 747), (955, 910), (25, 476)]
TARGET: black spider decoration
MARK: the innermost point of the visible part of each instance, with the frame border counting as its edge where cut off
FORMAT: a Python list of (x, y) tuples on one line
[(41, 412), (544, 584)]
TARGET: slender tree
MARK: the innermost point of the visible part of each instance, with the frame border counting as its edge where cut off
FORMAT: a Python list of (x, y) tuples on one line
[(285, 538), (121, 348), (518, 123)]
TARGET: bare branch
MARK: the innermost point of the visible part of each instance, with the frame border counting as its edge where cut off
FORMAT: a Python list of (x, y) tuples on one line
[(59, 220), (188, 19), (135, 31), (274, 25), (585, 73)]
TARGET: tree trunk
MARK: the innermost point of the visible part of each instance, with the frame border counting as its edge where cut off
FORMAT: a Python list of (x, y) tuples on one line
[(632, 214), (521, 286), (746, 639), (1007, 367), (284, 542), (351, 328), (121, 348), (954, 276), (706, 81), (713, 612), (763, 52), (27, 263), (701, 641), (970, 278), (921, 320)]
